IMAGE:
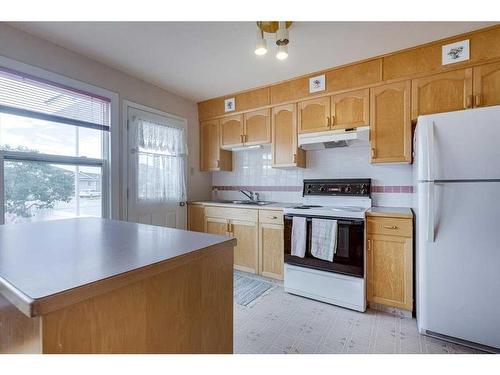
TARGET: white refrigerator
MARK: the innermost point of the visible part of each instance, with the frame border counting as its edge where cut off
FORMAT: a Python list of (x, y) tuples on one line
[(457, 173)]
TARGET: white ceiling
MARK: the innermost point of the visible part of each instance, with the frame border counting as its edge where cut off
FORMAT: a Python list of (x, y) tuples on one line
[(200, 60)]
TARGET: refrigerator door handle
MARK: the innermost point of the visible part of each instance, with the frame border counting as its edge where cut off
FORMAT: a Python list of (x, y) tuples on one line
[(430, 212), (430, 151)]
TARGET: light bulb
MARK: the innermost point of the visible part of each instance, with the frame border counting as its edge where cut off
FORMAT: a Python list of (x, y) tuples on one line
[(260, 44), (282, 53)]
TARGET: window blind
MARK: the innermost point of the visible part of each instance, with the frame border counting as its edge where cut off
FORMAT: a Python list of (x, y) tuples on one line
[(25, 95)]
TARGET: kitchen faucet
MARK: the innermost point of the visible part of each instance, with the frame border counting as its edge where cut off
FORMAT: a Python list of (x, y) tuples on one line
[(253, 196)]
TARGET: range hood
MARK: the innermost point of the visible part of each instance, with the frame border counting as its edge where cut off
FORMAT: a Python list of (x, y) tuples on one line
[(334, 138)]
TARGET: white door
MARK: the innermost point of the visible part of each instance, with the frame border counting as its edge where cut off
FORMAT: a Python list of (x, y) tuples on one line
[(156, 168), (458, 260)]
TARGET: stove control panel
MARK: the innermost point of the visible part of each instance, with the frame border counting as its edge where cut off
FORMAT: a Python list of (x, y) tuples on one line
[(345, 187)]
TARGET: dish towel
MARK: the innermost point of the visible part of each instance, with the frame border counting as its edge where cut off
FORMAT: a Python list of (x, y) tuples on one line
[(299, 231), (324, 239)]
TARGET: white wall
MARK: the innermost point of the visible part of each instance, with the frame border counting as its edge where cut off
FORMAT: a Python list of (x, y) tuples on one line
[(252, 169), (29, 49)]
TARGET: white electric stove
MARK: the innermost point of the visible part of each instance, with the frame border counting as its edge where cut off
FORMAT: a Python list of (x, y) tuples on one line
[(342, 281)]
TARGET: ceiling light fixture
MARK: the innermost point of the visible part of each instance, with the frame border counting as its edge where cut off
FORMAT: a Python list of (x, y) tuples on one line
[(273, 27), (260, 44)]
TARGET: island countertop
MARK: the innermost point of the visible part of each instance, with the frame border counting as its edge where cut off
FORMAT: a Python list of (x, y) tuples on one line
[(47, 265)]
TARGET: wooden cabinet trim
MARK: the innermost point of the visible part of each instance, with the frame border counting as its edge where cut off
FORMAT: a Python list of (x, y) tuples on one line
[(481, 53)]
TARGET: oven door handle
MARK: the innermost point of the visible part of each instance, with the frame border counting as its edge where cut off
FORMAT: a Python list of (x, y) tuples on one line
[(339, 221)]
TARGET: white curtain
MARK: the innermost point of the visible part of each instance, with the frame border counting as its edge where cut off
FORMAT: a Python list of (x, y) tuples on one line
[(161, 162)]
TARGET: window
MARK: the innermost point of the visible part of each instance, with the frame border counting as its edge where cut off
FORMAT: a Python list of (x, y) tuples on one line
[(54, 150)]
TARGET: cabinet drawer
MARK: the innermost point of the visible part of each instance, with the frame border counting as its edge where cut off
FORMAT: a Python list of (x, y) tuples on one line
[(390, 226), (231, 213), (271, 217)]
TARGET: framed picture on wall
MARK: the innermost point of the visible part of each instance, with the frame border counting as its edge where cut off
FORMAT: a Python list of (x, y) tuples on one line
[(455, 52)]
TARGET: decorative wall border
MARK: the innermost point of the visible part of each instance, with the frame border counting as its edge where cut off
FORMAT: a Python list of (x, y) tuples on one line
[(404, 189)]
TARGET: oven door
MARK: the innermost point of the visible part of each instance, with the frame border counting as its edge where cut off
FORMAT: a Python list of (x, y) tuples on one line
[(349, 257)]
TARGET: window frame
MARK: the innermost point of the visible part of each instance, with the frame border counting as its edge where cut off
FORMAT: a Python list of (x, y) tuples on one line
[(110, 144)]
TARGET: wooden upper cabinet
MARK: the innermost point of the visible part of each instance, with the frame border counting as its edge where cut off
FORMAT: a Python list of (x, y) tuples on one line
[(487, 85), (284, 137), (231, 131), (212, 158), (444, 92), (390, 123), (257, 127), (350, 109), (314, 115)]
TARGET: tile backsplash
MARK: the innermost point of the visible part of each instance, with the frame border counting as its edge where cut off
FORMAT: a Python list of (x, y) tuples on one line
[(391, 183)]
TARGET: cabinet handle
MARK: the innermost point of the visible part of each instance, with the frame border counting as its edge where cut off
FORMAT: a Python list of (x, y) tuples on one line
[(328, 121), (295, 158), (241, 138), (333, 120), (478, 100), (274, 217), (390, 226), (369, 246), (468, 101), (218, 163), (245, 137), (373, 152), (228, 227)]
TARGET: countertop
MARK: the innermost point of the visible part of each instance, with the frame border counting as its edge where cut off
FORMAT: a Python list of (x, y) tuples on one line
[(271, 206), (404, 212), (43, 259)]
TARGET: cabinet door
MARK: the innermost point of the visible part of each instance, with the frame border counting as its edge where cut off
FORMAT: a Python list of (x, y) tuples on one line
[(444, 92), (209, 145), (284, 138), (390, 123), (246, 250), (487, 85), (196, 218), (271, 256), (314, 115), (389, 270), (257, 129), (215, 225), (350, 109), (231, 131)]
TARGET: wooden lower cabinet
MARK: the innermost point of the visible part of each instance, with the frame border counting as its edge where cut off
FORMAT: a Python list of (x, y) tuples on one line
[(258, 234), (216, 225), (389, 268), (271, 257), (196, 217), (246, 250)]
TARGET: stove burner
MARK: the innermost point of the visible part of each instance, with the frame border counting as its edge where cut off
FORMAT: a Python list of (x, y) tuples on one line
[(306, 206)]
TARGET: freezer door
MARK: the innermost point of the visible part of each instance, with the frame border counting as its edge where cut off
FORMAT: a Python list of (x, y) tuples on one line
[(461, 145), (458, 260)]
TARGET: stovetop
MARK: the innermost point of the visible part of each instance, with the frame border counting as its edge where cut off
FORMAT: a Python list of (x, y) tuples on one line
[(349, 198)]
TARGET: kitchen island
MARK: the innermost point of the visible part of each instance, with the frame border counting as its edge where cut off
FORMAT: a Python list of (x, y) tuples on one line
[(94, 285)]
